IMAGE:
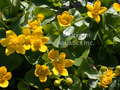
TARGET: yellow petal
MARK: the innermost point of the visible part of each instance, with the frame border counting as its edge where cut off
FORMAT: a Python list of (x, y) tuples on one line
[(90, 14), (102, 10), (55, 71), (34, 48), (44, 40), (43, 78), (37, 65), (54, 63), (21, 39), (10, 34), (109, 71), (97, 5), (116, 6), (5, 84), (62, 57), (37, 73), (64, 72), (59, 18), (3, 70), (68, 63), (37, 33), (65, 12), (53, 54), (27, 46), (89, 7), (71, 18), (97, 18), (20, 49), (43, 48), (65, 24), (8, 76), (26, 31), (9, 50), (4, 42), (40, 17)]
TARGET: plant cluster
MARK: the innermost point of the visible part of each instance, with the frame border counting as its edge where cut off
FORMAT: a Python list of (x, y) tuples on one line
[(53, 45)]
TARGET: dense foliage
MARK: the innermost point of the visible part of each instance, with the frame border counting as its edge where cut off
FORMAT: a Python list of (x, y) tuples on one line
[(59, 44)]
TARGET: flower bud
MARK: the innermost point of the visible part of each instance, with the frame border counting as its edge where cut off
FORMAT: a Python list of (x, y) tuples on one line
[(103, 69), (117, 68), (57, 82), (46, 89), (51, 75), (68, 81)]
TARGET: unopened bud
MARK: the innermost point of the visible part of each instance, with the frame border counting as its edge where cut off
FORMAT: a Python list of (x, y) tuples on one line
[(46, 89), (103, 69), (51, 75), (68, 81), (57, 82)]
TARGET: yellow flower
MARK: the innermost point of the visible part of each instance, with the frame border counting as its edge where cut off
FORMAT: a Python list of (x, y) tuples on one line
[(40, 17), (65, 19), (41, 72), (94, 11), (13, 43), (116, 6), (34, 24), (53, 54), (39, 41), (4, 77), (105, 80), (46, 89), (60, 63), (117, 71), (28, 38), (0, 15)]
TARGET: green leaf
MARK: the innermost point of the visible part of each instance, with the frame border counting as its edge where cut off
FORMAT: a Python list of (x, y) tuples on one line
[(33, 57), (2, 33), (102, 53), (3, 4), (10, 12), (33, 80), (50, 29), (87, 66), (62, 41), (22, 86), (82, 52), (76, 14), (12, 61), (48, 17), (68, 31), (93, 83), (117, 38)]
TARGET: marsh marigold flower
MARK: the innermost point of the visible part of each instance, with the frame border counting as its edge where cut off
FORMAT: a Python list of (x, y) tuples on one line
[(65, 19), (94, 11), (60, 63), (4, 77), (34, 24), (106, 79), (13, 43), (116, 6), (39, 41), (41, 72), (40, 17), (28, 38)]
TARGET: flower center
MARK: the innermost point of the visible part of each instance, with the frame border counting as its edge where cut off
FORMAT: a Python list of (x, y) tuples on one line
[(2, 77), (95, 11), (38, 43), (13, 43), (60, 66)]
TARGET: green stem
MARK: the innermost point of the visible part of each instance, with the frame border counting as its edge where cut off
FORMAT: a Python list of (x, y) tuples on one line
[(100, 37), (115, 25), (103, 21), (4, 24), (79, 20)]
